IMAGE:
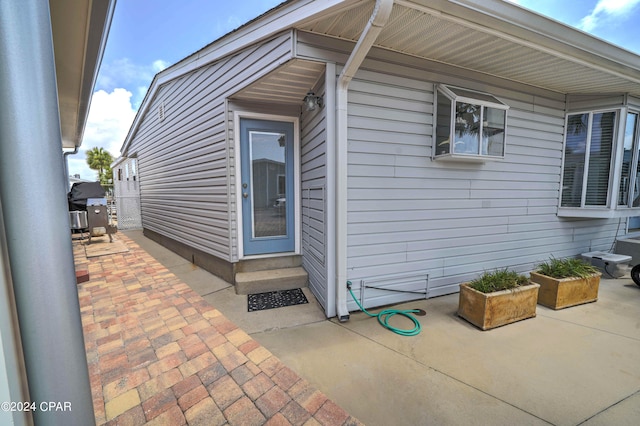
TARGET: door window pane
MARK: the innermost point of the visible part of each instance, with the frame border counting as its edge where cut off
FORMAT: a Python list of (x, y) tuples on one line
[(267, 156)]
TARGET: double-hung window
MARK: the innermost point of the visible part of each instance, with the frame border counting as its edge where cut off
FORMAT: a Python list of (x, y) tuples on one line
[(589, 144), (601, 170), (629, 190), (469, 125)]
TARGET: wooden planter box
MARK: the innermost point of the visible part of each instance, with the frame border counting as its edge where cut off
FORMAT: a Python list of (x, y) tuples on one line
[(490, 310), (565, 292)]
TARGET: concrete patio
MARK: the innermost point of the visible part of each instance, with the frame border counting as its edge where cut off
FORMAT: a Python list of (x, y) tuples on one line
[(574, 366)]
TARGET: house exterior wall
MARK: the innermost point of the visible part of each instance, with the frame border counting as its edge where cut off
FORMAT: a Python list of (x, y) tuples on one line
[(185, 157), (314, 198), (409, 214), (127, 194)]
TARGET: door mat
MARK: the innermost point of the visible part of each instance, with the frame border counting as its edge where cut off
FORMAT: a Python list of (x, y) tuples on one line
[(276, 299)]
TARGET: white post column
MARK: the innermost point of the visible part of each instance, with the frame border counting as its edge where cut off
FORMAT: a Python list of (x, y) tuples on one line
[(34, 206)]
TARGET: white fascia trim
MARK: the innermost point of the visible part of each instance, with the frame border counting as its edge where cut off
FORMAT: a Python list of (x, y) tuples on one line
[(330, 249), (288, 16), (104, 16), (565, 37)]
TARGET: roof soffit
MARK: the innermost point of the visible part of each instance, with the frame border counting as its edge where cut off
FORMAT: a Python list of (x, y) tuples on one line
[(495, 38), (79, 30)]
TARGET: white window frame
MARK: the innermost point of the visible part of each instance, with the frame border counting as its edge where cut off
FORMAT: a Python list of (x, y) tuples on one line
[(635, 154), (611, 209), (454, 98)]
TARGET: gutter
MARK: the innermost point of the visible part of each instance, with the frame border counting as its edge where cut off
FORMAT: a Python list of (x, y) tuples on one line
[(377, 21)]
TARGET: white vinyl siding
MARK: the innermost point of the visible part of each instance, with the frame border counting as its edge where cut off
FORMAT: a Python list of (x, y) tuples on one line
[(314, 196), (454, 220), (184, 160), (409, 216)]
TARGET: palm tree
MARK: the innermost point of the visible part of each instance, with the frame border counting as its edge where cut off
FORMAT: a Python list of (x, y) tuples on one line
[(100, 160)]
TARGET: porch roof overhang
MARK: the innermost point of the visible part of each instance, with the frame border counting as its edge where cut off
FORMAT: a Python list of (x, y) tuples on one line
[(491, 37), (79, 29)]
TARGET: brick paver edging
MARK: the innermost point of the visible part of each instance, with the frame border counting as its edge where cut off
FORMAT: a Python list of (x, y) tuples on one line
[(159, 354)]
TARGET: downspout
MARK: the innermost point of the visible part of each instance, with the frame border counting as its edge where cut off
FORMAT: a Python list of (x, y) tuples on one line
[(377, 21), (66, 165)]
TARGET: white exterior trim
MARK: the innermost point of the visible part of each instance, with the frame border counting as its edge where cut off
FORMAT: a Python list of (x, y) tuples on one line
[(237, 116), (376, 23)]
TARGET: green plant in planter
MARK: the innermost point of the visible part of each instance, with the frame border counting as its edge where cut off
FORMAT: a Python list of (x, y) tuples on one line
[(501, 279), (497, 298), (565, 268), (566, 282)]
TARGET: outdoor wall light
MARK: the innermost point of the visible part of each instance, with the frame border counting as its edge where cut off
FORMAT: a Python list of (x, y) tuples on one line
[(311, 101)]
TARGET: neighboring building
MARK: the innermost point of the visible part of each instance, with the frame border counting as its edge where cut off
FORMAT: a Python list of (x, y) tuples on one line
[(451, 137), (126, 194)]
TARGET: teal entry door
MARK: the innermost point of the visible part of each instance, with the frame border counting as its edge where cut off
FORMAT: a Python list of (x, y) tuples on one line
[(267, 186)]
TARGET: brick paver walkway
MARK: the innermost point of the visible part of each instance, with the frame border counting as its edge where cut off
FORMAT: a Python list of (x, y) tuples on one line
[(159, 354)]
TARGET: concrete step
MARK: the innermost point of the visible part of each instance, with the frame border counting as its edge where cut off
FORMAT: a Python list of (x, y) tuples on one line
[(271, 280), (255, 265)]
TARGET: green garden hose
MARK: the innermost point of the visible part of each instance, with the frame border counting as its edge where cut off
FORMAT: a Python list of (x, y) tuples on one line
[(385, 315)]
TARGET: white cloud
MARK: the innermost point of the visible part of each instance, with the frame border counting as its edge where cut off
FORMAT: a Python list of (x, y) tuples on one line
[(159, 65), (125, 73), (110, 118), (606, 10), (122, 72), (78, 166)]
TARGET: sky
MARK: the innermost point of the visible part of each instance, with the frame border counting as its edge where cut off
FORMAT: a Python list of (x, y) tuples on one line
[(147, 36)]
